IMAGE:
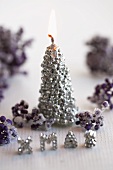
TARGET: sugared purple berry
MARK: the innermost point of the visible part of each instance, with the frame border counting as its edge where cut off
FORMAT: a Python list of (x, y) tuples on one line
[(2, 118), (9, 121), (20, 112)]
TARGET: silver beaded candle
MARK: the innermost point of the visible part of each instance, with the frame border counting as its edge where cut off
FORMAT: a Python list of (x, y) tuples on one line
[(56, 100)]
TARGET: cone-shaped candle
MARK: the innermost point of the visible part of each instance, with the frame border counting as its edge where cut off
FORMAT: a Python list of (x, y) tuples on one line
[(56, 100)]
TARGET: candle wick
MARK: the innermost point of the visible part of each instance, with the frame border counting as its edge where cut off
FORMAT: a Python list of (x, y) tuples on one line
[(52, 39)]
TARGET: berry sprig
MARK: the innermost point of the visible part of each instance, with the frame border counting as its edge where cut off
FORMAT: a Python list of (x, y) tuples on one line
[(92, 120), (7, 131), (36, 121), (12, 55), (100, 56), (103, 92)]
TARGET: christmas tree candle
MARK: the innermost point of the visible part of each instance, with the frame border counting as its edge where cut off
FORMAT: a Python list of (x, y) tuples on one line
[(56, 100)]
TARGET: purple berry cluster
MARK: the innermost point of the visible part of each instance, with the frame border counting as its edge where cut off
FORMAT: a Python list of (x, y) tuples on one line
[(21, 117), (7, 131), (103, 92), (89, 120), (40, 122), (20, 112), (12, 55), (100, 57)]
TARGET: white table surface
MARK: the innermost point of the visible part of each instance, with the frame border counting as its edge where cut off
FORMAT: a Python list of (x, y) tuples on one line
[(77, 22)]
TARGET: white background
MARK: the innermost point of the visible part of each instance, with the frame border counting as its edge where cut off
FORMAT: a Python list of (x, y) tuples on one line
[(77, 22)]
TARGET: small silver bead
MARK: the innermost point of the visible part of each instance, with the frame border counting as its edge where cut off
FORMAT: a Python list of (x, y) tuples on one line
[(19, 140), (20, 151)]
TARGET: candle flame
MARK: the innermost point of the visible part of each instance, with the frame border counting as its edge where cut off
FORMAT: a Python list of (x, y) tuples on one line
[(52, 30)]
